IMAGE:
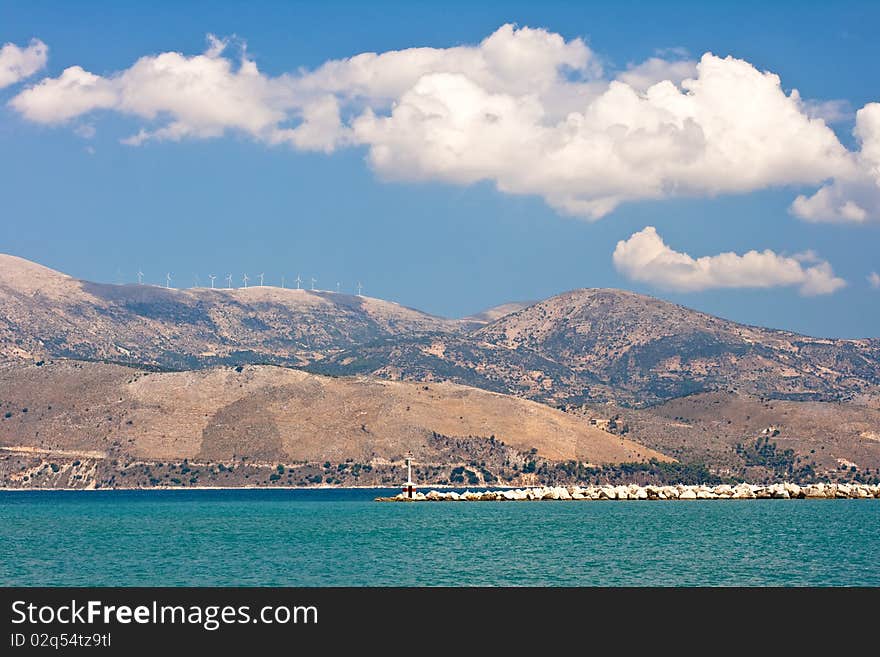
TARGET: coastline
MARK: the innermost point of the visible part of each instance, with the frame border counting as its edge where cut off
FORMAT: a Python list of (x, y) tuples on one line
[(197, 488), (743, 491), (786, 490)]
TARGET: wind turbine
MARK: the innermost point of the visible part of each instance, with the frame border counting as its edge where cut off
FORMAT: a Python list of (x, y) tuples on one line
[(261, 279), (360, 288), (314, 280), (282, 281), (168, 280), (298, 281), (196, 280), (212, 277), (228, 281), (245, 279), (337, 287), (140, 276)]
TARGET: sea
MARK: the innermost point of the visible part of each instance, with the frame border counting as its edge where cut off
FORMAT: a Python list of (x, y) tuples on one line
[(341, 537)]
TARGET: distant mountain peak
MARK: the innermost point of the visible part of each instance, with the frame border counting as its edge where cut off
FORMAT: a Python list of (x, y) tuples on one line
[(496, 312), (584, 344)]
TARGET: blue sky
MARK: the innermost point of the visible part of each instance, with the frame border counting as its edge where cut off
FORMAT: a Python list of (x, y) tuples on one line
[(100, 209)]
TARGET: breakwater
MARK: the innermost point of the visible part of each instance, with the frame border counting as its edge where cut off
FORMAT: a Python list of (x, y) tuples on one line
[(784, 491)]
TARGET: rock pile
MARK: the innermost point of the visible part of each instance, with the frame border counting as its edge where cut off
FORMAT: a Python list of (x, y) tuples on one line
[(784, 491)]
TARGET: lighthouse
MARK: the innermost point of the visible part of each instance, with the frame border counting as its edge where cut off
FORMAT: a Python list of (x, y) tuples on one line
[(409, 488)]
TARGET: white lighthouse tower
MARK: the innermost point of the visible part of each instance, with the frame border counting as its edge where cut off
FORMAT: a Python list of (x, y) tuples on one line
[(409, 488)]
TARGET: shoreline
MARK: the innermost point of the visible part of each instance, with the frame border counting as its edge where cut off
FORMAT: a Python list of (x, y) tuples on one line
[(441, 492), (743, 491), (197, 488)]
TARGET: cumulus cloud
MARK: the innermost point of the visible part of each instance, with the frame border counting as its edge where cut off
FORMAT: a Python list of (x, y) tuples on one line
[(853, 196), (74, 93), (525, 109), (656, 69), (645, 257), (874, 280), (19, 63), (191, 97), (830, 111)]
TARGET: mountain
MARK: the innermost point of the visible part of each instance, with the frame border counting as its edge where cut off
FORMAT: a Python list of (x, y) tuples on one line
[(758, 437), (135, 382), (495, 312), (45, 314), (580, 346), (462, 358), (102, 420), (605, 345), (647, 349)]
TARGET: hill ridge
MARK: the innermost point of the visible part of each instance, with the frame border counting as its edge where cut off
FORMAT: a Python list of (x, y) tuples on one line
[(585, 344)]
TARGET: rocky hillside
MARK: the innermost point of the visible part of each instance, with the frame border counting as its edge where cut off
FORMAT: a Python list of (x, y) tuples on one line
[(757, 438), (648, 349), (612, 345), (584, 345), (45, 314), (108, 418), (491, 314)]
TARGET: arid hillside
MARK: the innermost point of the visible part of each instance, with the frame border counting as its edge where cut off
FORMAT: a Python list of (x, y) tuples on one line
[(496, 312), (581, 346), (45, 314), (610, 345), (648, 349), (753, 437), (269, 415)]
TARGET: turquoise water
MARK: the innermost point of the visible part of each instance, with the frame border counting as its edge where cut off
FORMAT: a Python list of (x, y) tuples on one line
[(342, 537)]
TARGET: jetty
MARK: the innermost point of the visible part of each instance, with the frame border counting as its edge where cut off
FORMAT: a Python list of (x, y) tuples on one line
[(781, 491)]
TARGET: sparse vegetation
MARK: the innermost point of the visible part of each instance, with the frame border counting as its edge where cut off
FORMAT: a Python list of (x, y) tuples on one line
[(573, 362)]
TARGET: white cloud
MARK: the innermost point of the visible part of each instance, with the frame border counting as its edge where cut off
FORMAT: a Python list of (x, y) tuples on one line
[(830, 111), (74, 93), (513, 61), (19, 63), (645, 257), (874, 280), (656, 69), (853, 196), (321, 128), (524, 109), (731, 129), (198, 97)]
